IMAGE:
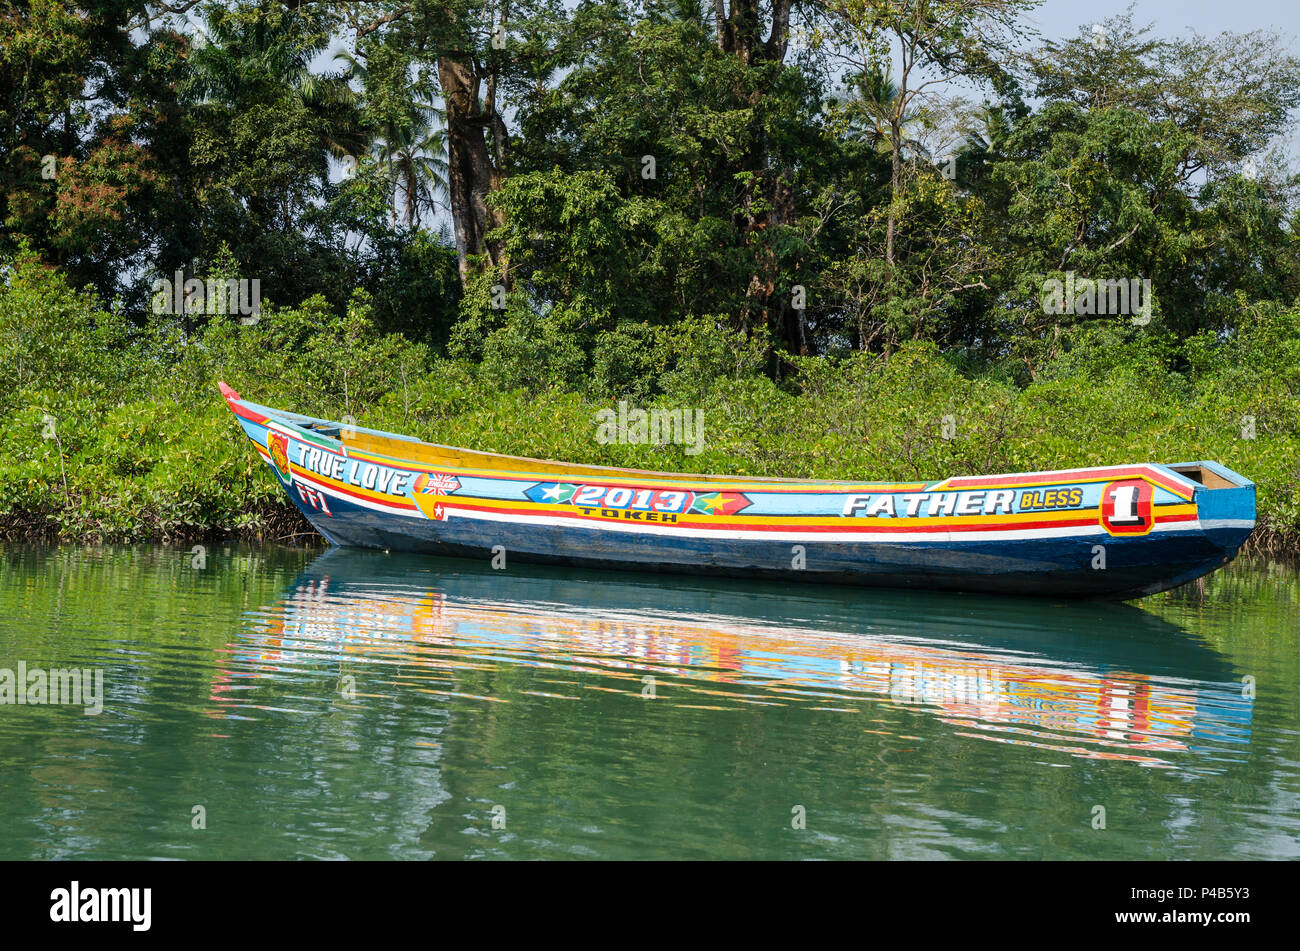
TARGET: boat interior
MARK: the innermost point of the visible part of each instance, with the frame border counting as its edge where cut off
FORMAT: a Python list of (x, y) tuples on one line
[(1207, 474), (1199, 472), (447, 456)]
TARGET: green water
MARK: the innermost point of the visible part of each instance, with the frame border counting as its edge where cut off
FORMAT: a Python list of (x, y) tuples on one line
[(361, 705)]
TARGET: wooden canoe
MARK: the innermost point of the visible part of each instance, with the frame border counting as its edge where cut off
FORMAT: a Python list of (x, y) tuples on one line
[(1103, 532)]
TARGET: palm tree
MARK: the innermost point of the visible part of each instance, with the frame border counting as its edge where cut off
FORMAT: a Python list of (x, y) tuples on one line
[(413, 148), (265, 128), (417, 154), (241, 59), (868, 105)]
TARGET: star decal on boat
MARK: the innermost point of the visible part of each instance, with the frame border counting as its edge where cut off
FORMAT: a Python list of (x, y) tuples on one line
[(551, 492), (720, 503)]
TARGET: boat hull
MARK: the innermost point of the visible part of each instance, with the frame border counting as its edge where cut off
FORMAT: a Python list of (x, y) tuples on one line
[(1113, 532), (1043, 567)]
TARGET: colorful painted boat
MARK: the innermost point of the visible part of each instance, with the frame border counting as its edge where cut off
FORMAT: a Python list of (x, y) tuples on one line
[(1105, 532)]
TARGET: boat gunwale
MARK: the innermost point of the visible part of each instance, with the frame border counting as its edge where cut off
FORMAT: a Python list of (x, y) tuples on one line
[(290, 420), (295, 420)]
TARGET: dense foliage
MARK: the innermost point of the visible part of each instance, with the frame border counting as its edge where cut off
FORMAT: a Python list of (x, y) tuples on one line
[(111, 431), (828, 225)]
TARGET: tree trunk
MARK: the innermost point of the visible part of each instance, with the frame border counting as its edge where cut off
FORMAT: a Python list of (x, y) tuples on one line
[(739, 34), (895, 179), (472, 174)]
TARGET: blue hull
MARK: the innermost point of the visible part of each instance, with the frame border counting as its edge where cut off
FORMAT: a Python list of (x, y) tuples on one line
[(1047, 568)]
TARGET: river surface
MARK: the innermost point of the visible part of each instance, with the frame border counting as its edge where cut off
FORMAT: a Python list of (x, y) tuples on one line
[(273, 703)]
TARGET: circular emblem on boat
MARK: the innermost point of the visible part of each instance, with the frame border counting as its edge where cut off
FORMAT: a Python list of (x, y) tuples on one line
[(1126, 507), (278, 444)]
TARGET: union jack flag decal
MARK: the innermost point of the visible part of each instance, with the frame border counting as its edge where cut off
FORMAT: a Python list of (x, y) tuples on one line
[(438, 483)]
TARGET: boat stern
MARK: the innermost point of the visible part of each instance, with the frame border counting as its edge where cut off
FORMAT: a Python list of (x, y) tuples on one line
[(1225, 504)]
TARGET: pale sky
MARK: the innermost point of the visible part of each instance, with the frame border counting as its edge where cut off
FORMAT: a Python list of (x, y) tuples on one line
[(1057, 19)]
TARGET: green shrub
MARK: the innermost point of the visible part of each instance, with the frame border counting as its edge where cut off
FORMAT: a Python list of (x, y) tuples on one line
[(110, 431)]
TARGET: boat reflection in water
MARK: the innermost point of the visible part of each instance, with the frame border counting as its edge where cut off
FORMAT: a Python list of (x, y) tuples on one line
[(1099, 681)]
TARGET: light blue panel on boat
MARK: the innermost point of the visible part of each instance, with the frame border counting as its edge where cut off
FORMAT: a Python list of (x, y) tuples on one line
[(493, 488), (1237, 504)]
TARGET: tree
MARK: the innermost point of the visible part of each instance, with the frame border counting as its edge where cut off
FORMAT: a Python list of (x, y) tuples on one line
[(934, 42), (89, 133), (865, 111), (411, 138), (264, 126), (1134, 169)]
